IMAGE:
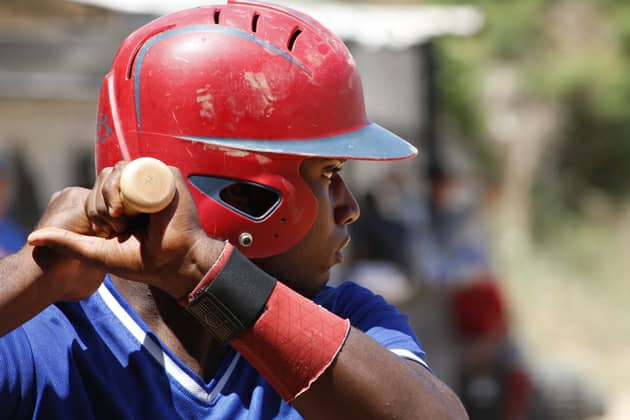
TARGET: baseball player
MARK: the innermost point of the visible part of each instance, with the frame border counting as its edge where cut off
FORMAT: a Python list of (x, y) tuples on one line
[(216, 306)]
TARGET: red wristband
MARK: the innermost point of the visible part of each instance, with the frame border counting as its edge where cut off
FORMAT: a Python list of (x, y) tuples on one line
[(293, 342)]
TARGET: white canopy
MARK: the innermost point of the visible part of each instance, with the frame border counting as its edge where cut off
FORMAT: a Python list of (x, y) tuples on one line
[(393, 26)]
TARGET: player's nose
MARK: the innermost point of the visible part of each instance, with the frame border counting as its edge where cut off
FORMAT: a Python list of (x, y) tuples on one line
[(346, 209)]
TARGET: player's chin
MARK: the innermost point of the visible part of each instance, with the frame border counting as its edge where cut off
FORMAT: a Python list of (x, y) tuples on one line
[(323, 276), (319, 280)]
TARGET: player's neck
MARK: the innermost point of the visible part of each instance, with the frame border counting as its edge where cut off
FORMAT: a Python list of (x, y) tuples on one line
[(177, 329)]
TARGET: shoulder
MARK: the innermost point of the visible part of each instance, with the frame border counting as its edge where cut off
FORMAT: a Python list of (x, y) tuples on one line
[(343, 298), (15, 351), (45, 340), (41, 356), (47, 330), (353, 301), (365, 310), (374, 316), (20, 350), (17, 376)]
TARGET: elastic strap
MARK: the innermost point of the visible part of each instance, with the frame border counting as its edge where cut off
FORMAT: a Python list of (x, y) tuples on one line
[(232, 296)]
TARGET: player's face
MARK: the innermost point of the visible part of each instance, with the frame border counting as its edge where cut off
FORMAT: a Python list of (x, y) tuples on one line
[(306, 266)]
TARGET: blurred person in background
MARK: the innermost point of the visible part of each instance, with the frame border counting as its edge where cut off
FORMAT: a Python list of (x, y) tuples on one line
[(12, 236), (494, 382), (493, 379), (377, 254)]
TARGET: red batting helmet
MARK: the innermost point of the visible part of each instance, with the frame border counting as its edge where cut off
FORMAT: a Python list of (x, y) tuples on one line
[(236, 96)]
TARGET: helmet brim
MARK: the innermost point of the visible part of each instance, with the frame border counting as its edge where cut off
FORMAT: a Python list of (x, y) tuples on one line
[(370, 142)]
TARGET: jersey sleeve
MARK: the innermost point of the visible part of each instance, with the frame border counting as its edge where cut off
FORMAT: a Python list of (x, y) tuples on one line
[(17, 375), (375, 317)]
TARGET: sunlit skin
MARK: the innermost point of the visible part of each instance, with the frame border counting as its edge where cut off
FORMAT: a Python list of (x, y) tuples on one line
[(306, 266)]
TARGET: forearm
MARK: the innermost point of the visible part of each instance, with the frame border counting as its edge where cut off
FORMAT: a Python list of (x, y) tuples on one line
[(368, 381), (24, 289)]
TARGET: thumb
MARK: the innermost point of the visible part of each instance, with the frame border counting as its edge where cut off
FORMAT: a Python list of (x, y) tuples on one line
[(67, 242)]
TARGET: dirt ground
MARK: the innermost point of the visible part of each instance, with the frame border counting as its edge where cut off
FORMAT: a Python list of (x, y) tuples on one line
[(571, 306)]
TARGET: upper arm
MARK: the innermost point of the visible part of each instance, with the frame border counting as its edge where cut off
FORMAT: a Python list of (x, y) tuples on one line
[(447, 396)]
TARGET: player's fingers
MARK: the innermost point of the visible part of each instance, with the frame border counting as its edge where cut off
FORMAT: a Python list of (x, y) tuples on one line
[(104, 207), (111, 191), (180, 181), (99, 201), (94, 201), (86, 248), (183, 193), (108, 200)]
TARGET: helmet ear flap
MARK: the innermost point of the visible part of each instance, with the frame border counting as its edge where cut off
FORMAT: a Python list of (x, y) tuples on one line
[(284, 214)]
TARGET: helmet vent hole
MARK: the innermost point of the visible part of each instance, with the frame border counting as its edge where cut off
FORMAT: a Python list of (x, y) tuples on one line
[(293, 38), (276, 236), (217, 15), (140, 45), (131, 65), (255, 22)]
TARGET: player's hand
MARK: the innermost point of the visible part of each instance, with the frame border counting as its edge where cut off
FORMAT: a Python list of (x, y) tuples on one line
[(76, 279), (168, 249)]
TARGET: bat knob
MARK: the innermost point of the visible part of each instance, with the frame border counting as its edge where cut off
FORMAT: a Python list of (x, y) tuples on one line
[(147, 185)]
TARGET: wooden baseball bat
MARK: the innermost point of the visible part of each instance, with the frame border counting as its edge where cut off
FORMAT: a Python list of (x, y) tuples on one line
[(147, 185)]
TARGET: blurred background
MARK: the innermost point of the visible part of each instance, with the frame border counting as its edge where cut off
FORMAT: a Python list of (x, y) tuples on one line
[(503, 242)]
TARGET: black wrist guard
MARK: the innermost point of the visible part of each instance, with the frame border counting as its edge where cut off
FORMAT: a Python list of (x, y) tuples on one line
[(234, 300)]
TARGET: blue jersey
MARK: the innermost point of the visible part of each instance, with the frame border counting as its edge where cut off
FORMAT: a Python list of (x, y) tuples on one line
[(98, 359)]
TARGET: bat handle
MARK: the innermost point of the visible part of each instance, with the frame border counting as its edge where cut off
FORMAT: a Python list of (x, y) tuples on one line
[(147, 185)]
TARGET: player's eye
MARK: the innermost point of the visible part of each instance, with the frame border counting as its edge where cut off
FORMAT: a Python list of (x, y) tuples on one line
[(330, 172)]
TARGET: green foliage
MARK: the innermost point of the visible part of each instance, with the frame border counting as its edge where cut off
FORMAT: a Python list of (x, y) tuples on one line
[(511, 29), (587, 72), (459, 66), (595, 154), (513, 26)]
